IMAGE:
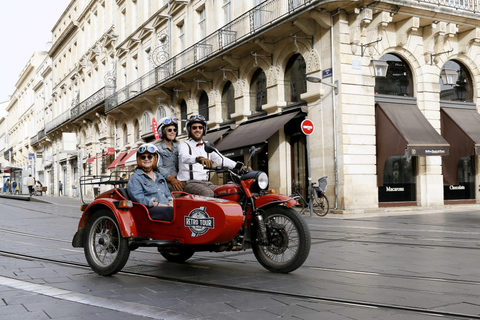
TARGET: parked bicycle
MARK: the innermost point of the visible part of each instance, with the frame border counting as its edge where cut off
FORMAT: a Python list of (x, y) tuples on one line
[(317, 200)]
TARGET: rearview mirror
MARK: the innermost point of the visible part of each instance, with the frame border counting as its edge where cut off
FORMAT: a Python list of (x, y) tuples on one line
[(210, 147)]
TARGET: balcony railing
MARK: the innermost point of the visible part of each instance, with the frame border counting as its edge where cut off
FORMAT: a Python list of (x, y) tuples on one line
[(251, 22), (86, 105), (58, 121), (34, 140), (467, 5)]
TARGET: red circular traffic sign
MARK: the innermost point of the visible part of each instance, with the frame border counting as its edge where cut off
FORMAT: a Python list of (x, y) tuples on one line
[(307, 127)]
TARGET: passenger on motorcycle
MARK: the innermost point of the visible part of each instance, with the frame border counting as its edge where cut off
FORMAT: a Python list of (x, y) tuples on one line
[(168, 152), (193, 158), (148, 187)]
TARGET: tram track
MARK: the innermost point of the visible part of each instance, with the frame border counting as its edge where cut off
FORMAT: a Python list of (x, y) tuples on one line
[(306, 297)]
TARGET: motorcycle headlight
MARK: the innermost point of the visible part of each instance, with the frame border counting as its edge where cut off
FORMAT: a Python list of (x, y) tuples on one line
[(262, 181)]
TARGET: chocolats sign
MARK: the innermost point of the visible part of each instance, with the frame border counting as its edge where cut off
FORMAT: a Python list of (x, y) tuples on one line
[(427, 151)]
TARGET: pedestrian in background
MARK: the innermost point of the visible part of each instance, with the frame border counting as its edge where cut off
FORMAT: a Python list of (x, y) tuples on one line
[(74, 189), (14, 186), (30, 184), (60, 188)]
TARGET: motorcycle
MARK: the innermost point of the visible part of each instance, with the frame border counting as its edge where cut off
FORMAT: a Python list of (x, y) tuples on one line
[(242, 215)]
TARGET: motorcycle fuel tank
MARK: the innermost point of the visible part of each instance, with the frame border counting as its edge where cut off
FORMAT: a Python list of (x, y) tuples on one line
[(229, 191)]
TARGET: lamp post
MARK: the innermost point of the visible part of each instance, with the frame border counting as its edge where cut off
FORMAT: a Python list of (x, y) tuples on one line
[(449, 76), (378, 68), (334, 85)]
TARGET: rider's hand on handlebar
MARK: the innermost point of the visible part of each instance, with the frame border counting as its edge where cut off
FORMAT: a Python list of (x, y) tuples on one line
[(205, 162)]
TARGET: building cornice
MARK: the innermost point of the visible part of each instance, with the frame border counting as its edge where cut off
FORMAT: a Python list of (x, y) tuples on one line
[(72, 26)]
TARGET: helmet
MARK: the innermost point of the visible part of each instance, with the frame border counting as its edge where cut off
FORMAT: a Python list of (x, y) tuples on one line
[(196, 118), (147, 147), (150, 148), (165, 122)]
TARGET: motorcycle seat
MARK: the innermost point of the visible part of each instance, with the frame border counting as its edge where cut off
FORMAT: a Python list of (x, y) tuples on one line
[(124, 193)]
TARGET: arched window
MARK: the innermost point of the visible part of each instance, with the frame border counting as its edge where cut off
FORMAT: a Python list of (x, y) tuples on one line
[(258, 91), (228, 101), (183, 116), (295, 79), (203, 105), (162, 112), (462, 90), (125, 135), (398, 81), (137, 130), (146, 122)]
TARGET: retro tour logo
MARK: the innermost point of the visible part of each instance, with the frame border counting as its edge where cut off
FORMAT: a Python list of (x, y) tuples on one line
[(199, 222)]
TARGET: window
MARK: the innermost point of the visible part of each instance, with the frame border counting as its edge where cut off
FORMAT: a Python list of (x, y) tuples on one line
[(228, 101), (398, 81), (181, 45), (202, 27), (203, 105), (295, 79), (462, 90), (125, 135), (227, 11), (183, 115), (258, 91), (136, 129)]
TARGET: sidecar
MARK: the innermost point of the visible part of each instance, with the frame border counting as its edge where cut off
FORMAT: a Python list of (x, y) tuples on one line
[(112, 225)]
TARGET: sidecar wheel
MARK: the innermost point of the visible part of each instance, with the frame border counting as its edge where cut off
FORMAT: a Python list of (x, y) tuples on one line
[(178, 257), (289, 239), (106, 250)]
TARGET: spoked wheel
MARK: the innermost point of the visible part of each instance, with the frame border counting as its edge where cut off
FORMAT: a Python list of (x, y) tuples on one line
[(321, 205), (289, 241), (178, 257), (106, 250), (301, 205)]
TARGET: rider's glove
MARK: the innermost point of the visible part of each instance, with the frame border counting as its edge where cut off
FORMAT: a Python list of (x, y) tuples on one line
[(207, 163)]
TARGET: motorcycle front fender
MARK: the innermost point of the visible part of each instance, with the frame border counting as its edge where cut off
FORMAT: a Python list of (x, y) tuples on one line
[(274, 199)]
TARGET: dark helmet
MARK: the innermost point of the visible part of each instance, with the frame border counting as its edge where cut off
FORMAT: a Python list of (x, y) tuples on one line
[(196, 118), (165, 122)]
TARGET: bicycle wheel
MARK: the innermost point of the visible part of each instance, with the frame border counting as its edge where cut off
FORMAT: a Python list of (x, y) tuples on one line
[(301, 204), (321, 205)]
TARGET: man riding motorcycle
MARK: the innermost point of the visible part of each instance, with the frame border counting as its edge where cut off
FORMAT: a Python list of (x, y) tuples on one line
[(193, 159)]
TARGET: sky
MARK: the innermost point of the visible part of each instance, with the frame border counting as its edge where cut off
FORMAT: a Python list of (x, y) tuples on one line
[(25, 27)]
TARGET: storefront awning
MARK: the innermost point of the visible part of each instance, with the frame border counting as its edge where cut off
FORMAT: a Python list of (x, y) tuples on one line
[(117, 160), (402, 129), (214, 136), (461, 128), (128, 156), (254, 133), (91, 159)]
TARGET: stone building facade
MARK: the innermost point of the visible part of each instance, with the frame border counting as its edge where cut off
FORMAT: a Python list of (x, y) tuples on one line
[(383, 141)]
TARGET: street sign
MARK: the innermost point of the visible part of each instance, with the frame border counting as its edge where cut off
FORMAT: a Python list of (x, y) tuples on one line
[(154, 129), (307, 127)]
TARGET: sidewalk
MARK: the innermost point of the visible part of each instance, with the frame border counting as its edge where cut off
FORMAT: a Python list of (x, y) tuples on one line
[(63, 200)]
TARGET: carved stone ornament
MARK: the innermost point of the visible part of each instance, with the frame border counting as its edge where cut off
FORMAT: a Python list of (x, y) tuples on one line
[(160, 55), (313, 61)]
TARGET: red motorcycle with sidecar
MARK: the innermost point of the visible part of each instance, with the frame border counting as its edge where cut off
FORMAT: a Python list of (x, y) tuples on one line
[(242, 215)]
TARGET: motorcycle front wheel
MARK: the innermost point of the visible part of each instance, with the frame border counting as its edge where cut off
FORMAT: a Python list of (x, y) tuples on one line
[(106, 250), (289, 240)]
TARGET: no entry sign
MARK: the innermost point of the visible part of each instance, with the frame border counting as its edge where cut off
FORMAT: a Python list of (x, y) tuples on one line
[(307, 127)]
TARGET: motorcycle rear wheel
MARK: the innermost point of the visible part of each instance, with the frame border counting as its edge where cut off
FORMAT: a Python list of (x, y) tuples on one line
[(289, 239), (105, 249)]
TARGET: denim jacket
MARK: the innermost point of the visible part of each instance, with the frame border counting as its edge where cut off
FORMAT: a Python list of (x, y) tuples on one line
[(168, 160), (141, 188)]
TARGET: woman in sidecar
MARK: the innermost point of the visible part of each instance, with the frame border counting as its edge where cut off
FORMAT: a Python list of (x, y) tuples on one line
[(148, 187)]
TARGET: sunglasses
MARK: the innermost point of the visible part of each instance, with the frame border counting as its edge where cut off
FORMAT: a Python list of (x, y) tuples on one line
[(144, 149), (171, 129), (197, 127), (146, 156)]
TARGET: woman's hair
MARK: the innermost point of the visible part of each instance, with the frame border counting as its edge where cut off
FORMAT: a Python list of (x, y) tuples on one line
[(155, 160)]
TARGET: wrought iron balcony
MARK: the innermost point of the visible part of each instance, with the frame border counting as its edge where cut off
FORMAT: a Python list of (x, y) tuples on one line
[(34, 140), (237, 31), (41, 134), (88, 104), (58, 121)]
